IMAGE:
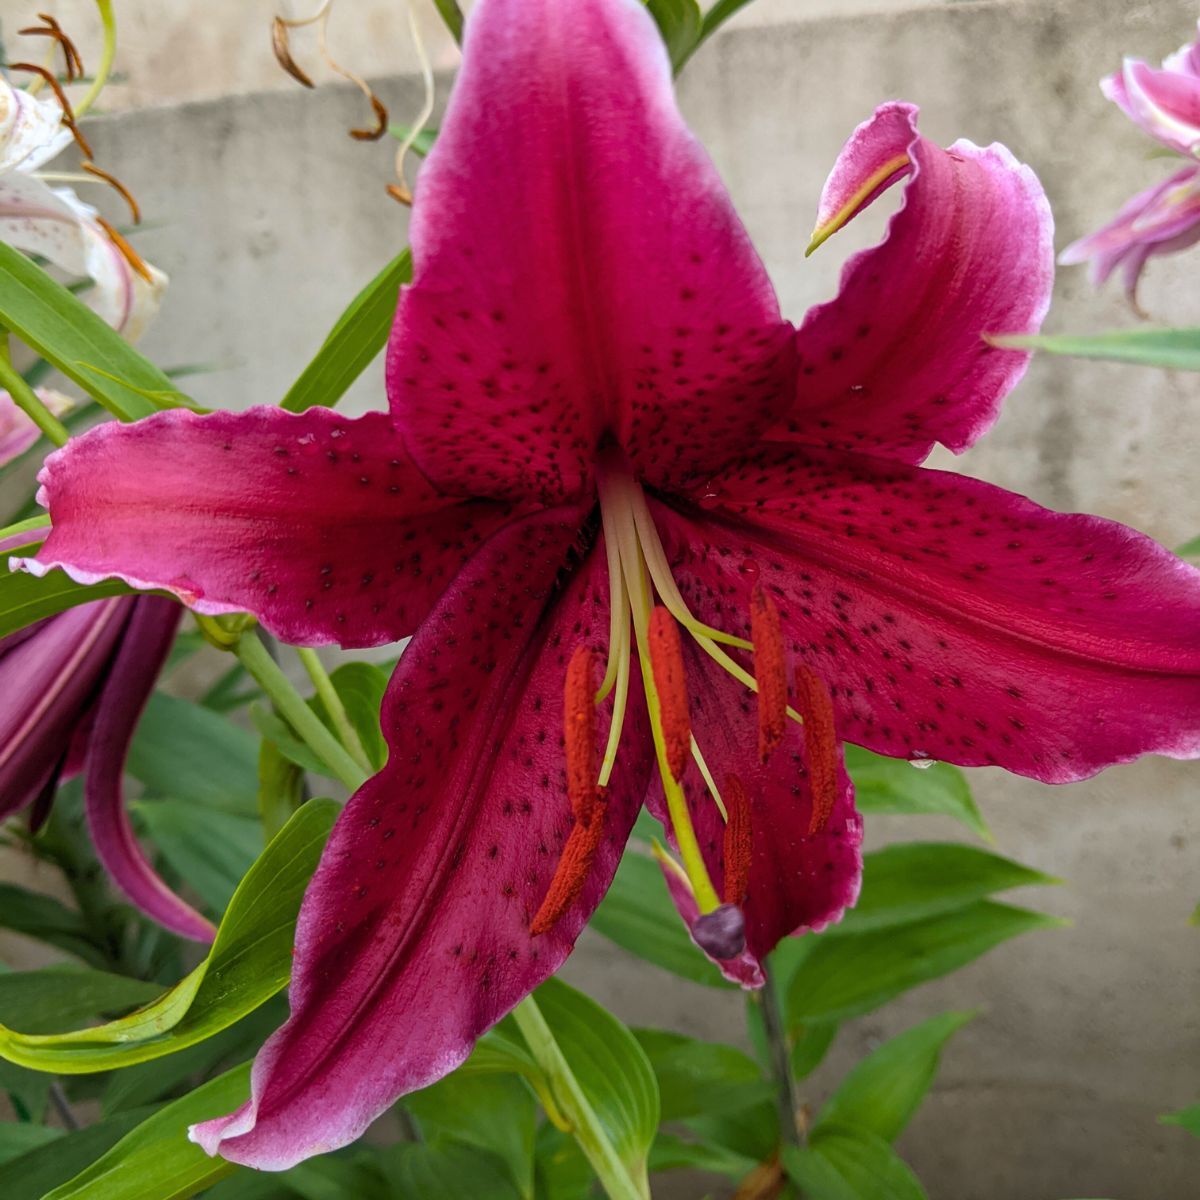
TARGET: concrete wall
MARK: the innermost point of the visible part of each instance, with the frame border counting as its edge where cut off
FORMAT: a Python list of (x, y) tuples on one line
[(272, 218)]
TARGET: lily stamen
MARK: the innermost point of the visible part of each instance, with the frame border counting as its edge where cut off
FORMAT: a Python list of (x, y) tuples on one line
[(574, 866), (820, 745), (670, 680), (579, 732), (739, 843), (52, 29), (770, 670)]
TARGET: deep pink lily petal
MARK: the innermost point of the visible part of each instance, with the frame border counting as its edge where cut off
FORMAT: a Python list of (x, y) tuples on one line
[(898, 360), (49, 676), (316, 523), (578, 268), (414, 935), (798, 881), (1161, 220), (144, 648), (955, 620)]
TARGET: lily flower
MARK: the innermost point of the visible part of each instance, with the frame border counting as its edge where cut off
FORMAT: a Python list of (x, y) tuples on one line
[(1164, 103), (54, 223), (1165, 218), (1161, 220), (637, 526), (17, 430), (71, 690)]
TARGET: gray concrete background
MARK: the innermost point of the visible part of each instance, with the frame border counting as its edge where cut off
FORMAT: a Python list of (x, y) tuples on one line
[(271, 220)]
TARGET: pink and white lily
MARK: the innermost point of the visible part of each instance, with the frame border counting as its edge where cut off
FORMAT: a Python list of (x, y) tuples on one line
[(1163, 219), (636, 524)]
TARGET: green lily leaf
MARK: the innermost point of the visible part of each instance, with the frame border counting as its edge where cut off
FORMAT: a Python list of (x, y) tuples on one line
[(493, 1113), (187, 752), (610, 1067), (211, 850), (249, 962), (48, 920), (417, 1171), (65, 332), (840, 1163), (894, 785), (155, 1160), (637, 914), (673, 1153), (1190, 549), (25, 598), (360, 686), (33, 1174), (360, 333), (52, 998), (910, 880), (19, 1137), (1174, 349), (695, 1077), (882, 1092), (679, 23), (1185, 1118), (452, 15), (853, 974)]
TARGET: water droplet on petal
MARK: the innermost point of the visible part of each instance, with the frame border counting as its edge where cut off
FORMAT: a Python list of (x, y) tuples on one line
[(921, 760)]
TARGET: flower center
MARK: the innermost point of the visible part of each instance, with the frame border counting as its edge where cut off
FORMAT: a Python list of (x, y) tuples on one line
[(648, 608)]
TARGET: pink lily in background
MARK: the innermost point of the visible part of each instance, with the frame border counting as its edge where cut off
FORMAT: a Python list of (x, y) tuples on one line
[(1165, 218), (17, 430), (72, 688), (636, 523)]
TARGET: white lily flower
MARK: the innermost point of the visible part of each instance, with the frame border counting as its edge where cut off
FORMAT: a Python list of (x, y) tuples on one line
[(54, 223)]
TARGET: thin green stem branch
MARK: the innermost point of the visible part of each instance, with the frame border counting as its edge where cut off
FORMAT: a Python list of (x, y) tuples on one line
[(573, 1104), (108, 21), (254, 657), (327, 693), (26, 399)]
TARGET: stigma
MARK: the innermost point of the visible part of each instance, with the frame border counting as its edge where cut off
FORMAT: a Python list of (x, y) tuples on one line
[(650, 616)]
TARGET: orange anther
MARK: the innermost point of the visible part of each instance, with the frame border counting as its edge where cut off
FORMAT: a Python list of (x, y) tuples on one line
[(131, 256), (739, 842), (579, 732), (770, 671), (820, 745), (573, 868), (670, 681)]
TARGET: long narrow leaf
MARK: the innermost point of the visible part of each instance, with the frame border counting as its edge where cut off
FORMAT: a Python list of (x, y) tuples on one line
[(65, 332), (360, 333)]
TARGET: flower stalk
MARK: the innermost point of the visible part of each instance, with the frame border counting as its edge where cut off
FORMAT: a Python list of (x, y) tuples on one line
[(266, 671), (780, 1063), (329, 697), (573, 1104)]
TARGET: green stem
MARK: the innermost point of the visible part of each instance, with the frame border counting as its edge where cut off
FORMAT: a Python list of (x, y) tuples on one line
[(573, 1104), (27, 401), (346, 732), (109, 21), (254, 657), (781, 1063)]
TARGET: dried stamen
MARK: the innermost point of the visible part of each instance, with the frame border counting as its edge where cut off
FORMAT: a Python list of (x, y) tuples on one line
[(670, 682), (574, 867), (52, 29), (739, 842), (283, 52), (68, 117), (820, 745), (579, 732), (117, 186), (130, 255), (770, 670)]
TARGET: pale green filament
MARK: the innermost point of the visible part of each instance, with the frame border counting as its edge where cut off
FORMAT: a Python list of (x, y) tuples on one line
[(709, 781), (109, 22)]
